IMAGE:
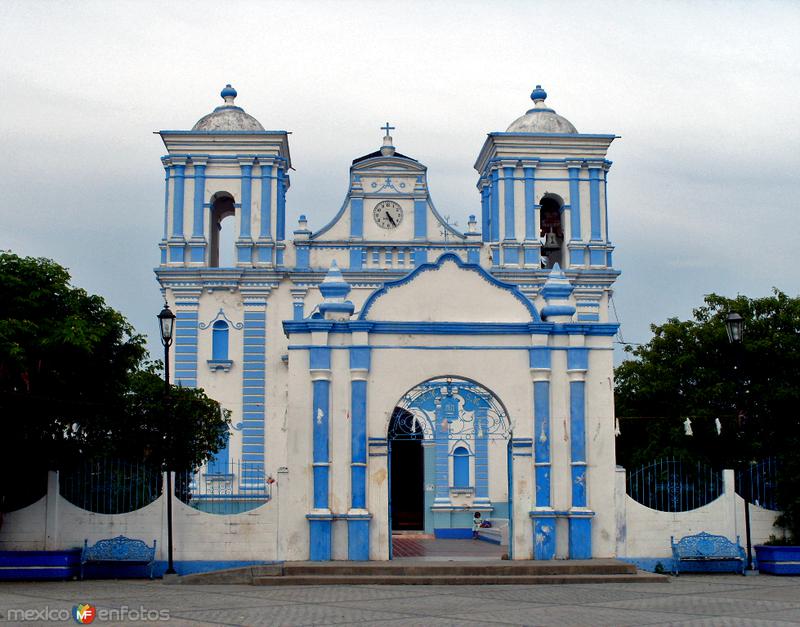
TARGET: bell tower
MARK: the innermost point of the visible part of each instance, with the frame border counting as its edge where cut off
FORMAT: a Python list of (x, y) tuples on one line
[(226, 182)]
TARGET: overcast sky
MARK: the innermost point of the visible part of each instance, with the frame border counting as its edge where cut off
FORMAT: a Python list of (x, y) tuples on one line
[(703, 194)]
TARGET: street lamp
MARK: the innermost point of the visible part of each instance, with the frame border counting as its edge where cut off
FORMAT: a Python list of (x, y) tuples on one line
[(166, 322), (734, 325)]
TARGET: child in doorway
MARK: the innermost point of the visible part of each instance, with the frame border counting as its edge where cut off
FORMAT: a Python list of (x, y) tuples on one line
[(476, 524)]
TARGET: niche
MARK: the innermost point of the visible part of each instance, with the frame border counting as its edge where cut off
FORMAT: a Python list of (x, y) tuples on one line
[(551, 230)]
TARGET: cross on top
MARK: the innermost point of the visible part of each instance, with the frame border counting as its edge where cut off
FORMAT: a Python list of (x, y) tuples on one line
[(388, 128)]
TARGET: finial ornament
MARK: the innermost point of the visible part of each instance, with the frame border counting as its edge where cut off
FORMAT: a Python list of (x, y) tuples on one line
[(228, 94), (387, 150), (538, 94), (386, 128)]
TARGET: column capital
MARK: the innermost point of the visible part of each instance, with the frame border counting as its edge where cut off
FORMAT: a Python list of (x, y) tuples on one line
[(320, 374)]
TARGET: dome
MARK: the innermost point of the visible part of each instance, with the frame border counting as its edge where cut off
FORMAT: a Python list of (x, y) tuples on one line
[(541, 119), (228, 117)]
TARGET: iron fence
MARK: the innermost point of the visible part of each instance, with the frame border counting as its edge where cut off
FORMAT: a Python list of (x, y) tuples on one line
[(670, 485), (760, 480), (229, 487), (110, 486)]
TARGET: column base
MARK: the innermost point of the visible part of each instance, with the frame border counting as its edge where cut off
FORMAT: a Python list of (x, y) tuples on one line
[(580, 535), (319, 544), (544, 534), (358, 536)]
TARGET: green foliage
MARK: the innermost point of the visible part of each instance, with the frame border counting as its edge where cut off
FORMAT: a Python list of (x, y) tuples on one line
[(73, 384), (689, 369)]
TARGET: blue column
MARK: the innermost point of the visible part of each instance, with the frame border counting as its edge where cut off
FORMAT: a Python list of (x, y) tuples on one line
[(247, 193), (442, 459), (280, 218), (575, 203), (358, 518), (266, 201), (580, 527), (254, 348), (508, 202), (485, 219), (177, 201), (163, 245), (594, 203), (320, 519), (495, 205), (357, 217), (420, 218), (198, 224), (481, 456), (544, 521), (531, 224)]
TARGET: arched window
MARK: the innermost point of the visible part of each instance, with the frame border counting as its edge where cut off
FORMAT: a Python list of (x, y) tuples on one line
[(219, 341), (551, 230), (222, 242), (460, 467)]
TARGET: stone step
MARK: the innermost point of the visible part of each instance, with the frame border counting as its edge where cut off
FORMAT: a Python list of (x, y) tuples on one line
[(455, 580), (459, 568)]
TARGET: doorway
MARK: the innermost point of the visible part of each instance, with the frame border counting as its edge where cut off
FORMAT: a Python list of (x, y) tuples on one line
[(407, 464)]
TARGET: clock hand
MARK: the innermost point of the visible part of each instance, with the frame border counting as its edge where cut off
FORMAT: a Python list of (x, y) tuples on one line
[(391, 219)]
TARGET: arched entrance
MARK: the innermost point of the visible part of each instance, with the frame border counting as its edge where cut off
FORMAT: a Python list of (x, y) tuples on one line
[(448, 460)]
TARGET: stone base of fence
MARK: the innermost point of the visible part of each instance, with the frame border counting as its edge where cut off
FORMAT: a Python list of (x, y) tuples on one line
[(53, 523), (643, 534)]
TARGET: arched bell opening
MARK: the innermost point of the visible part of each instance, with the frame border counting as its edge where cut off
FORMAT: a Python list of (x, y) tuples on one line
[(222, 244), (551, 229)]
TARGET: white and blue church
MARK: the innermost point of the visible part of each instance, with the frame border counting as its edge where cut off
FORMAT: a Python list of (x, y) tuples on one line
[(390, 372)]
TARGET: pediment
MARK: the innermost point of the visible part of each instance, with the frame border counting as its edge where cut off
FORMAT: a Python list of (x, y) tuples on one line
[(449, 291)]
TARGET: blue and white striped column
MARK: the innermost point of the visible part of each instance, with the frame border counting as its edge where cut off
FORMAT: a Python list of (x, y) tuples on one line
[(543, 515), (575, 245), (531, 245), (197, 244), (253, 388), (320, 519), (481, 457), (177, 243), (244, 245), (186, 321), (580, 517), (358, 517)]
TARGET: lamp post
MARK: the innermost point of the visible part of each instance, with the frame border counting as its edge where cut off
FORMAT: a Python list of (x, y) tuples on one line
[(734, 325), (166, 321)]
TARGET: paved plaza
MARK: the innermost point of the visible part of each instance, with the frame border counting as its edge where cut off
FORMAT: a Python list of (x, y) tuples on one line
[(686, 600)]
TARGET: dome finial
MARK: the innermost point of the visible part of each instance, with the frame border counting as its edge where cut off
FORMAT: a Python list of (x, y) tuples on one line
[(228, 94), (538, 94)]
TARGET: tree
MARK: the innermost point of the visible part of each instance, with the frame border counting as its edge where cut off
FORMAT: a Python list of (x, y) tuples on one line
[(73, 384), (689, 370)]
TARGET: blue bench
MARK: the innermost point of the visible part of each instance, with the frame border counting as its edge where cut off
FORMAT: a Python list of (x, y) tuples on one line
[(119, 550), (705, 552)]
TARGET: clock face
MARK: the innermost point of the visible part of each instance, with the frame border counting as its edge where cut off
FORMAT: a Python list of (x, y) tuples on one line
[(387, 214)]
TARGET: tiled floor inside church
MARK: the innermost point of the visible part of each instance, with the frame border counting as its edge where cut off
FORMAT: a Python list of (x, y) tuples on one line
[(425, 546)]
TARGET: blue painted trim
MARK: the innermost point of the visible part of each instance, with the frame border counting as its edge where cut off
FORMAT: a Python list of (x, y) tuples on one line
[(356, 258), (247, 189), (198, 224), (420, 257), (544, 538), (420, 218), (580, 538), (602, 329), (266, 201), (427, 267), (594, 203), (530, 208), (540, 356), (508, 203), (357, 539), (321, 454), (597, 256), (319, 539), (494, 224), (280, 218), (320, 358), (301, 257), (357, 217), (485, 214), (481, 453), (510, 255), (574, 203), (577, 358), (219, 341), (358, 444), (177, 202)]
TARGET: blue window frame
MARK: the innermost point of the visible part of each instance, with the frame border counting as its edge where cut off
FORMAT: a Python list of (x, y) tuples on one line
[(219, 341), (460, 467)]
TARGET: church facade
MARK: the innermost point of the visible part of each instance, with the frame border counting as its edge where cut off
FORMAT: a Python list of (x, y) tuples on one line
[(389, 371)]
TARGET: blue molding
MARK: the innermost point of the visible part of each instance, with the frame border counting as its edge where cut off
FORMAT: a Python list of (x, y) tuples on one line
[(427, 267), (221, 316), (508, 202)]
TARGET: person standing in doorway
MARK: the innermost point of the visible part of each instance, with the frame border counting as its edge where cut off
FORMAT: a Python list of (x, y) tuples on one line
[(476, 524)]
